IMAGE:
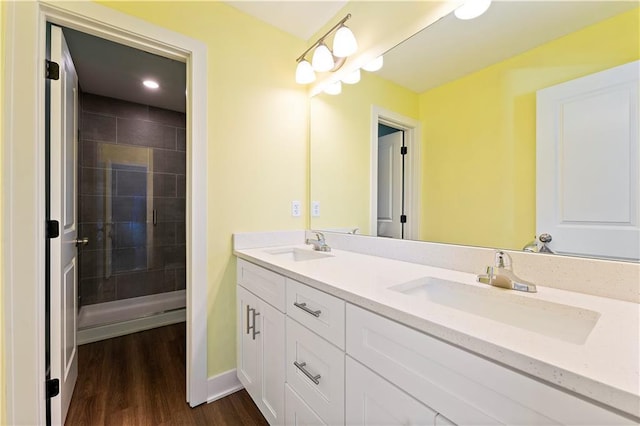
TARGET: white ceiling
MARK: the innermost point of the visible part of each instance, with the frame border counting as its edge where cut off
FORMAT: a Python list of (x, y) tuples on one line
[(299, 18), (110, 69), (452, 48)]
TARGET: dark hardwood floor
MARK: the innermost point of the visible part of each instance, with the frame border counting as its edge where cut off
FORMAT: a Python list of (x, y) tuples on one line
[(139, 379)]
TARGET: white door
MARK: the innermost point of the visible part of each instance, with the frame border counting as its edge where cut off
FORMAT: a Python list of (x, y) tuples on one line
[(588, 182), (64, 262), (390, 186)]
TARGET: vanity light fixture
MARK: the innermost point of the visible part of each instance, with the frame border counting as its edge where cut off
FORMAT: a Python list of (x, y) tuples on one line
[(353, 77), (472, 9), (323, 59), (334, 88), (150, 84), (374, 65)]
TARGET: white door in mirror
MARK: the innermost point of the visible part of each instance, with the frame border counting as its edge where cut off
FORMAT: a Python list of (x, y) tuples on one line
[(390, 185), (588, 185)]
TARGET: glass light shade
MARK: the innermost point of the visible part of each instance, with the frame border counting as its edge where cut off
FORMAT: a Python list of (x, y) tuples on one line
[(374, 65), (472, 9), (333, 88), (353, 77), (322, 59), (304, 72), (344, 43)]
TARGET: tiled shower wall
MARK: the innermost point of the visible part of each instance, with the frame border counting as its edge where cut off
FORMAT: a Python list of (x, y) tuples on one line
[(131, 162)]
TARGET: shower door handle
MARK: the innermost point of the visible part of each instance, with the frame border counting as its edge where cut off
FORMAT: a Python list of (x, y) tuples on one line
[(155, 217), (82, 241)]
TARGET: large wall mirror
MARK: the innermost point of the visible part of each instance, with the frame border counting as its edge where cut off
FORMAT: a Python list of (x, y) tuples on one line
[(462, 97)]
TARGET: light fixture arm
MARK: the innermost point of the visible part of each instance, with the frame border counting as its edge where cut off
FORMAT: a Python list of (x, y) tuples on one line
[(321, 39)]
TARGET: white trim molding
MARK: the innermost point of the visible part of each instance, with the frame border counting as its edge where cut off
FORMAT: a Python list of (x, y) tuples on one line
[(222, 385), (413, 178), (23, 191)]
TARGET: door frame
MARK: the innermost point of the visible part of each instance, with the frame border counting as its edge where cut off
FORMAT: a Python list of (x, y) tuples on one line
[(413, 168), (23, 195)]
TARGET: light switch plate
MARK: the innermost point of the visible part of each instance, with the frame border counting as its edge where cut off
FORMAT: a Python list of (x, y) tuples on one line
[(295, 208)]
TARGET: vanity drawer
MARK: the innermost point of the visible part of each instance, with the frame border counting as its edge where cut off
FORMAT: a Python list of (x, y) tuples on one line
[(316, 356), (297, 412), (465, 388), (265, 284), (318, 311)]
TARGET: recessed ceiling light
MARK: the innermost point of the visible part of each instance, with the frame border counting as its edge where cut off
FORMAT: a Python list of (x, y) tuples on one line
[(150, 84)]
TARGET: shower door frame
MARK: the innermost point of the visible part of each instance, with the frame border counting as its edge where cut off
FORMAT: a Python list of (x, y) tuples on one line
[(23, 252)]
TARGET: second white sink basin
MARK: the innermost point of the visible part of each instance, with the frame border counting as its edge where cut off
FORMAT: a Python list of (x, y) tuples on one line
[(298, 254), (555, 320)]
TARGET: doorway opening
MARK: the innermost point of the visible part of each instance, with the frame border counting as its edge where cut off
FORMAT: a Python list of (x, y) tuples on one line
[(131, 169), (117, 182), (395, 175), (25, 179)]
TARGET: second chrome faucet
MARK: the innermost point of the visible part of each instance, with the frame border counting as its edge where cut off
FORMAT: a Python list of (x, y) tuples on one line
[(501, 275), (320, 244)]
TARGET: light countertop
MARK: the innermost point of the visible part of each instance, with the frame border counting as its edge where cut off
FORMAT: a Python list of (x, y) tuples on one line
[(605, 368)]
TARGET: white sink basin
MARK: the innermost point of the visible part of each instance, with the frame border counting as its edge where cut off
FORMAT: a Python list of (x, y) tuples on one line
[(297, 254), (563, 322)]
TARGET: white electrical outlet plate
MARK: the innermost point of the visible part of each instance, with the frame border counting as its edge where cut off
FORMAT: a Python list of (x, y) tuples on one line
[(295, 208), (315, 208)]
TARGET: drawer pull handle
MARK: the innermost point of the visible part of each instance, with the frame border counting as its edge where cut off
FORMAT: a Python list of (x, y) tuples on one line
[(252, 327), (315, 379), (303, 306), (255, 333), (248, 314)]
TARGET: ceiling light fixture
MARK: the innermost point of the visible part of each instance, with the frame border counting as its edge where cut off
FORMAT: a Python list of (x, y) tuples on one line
[(323, 59), (353, 77), (472, 9), (150, 84), (334, 88)]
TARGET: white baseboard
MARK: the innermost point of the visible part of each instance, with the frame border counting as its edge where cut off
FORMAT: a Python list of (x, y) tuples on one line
[(222, 385), (108, 331)]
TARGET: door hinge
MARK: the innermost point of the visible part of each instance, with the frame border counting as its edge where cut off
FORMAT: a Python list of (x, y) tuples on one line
[(53, 229), (403, 218), (53, 71), (52, 387), (403, 150)]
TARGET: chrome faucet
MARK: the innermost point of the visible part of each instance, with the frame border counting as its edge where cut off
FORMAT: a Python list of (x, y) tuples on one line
[(320, 244), (501, 275)]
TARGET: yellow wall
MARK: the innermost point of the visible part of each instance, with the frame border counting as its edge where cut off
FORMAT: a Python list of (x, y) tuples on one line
[(257, 148), (479, 135), (340, 152), (2, 62)]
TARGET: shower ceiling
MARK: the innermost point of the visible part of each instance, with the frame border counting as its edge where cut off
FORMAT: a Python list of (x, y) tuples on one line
[(110, 69)]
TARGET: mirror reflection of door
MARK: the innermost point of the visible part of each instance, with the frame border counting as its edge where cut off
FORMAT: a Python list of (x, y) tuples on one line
[(588, 164), (391, 182)]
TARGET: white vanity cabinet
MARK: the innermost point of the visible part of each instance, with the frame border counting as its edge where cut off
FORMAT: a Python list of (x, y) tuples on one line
[(307, 357), (464, 387), (315, 353), (371, 400), (260, 340)]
